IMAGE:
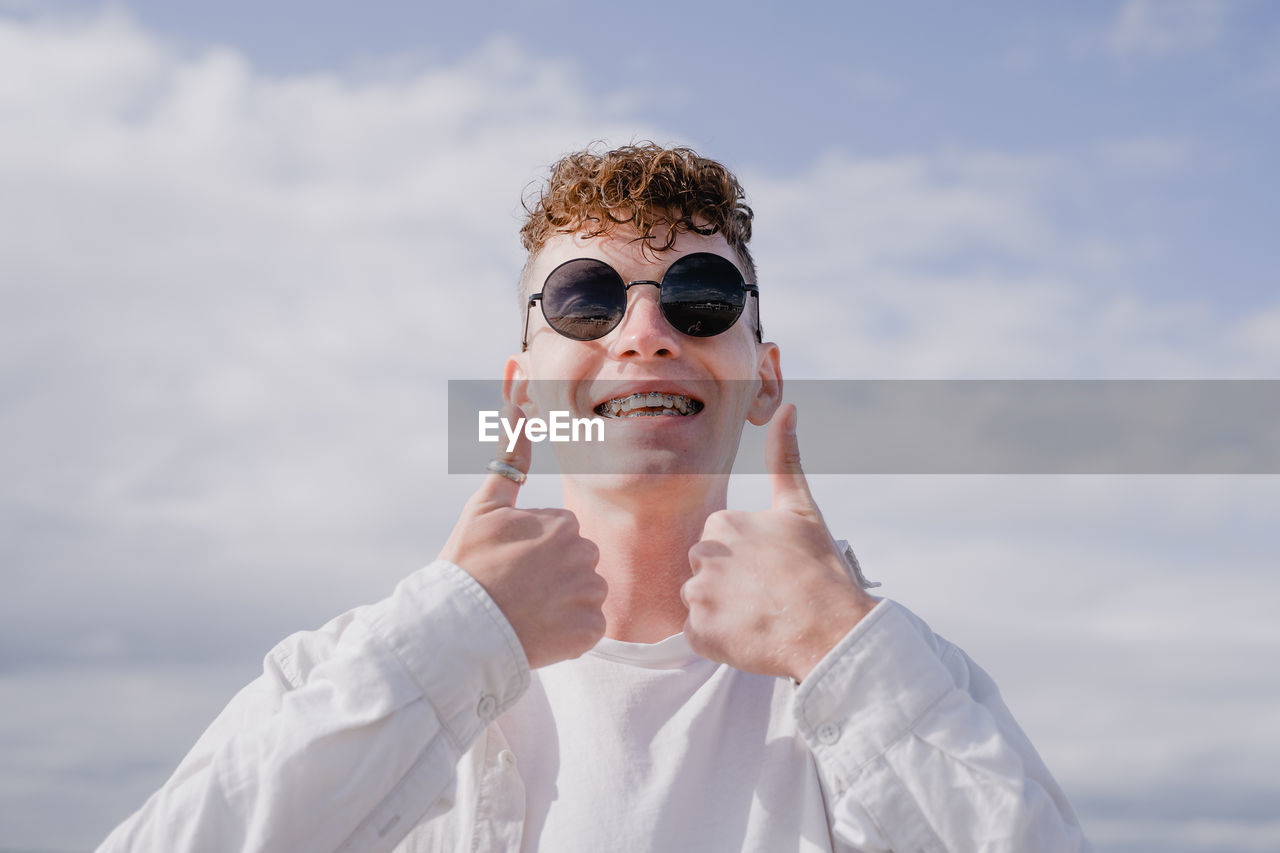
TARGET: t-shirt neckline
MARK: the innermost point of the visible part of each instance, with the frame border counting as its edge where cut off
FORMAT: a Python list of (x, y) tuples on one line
[(670, 653)]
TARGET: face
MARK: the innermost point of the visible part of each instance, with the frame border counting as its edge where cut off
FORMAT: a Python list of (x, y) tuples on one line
[(708, 387)]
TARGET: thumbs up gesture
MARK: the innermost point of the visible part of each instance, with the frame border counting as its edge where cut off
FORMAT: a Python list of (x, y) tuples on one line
[(533, 563), (770, 594)]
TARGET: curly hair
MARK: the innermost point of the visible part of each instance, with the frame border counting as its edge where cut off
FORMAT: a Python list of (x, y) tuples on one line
[(641, 186)]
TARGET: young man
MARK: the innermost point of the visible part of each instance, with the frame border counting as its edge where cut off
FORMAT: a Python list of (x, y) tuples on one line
[(643, 669)]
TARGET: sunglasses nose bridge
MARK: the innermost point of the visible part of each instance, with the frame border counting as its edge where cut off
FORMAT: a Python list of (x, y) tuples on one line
[(644, 329), (628, 304), (632, 284)]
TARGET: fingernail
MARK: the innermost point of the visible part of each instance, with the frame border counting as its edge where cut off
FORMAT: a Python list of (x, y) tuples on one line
[(791, 421)]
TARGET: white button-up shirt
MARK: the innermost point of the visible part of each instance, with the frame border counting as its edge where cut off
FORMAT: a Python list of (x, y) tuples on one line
[(399, 726)]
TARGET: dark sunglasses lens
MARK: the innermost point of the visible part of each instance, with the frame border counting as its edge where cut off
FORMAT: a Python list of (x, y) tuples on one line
[(584, 299), (702, 294)]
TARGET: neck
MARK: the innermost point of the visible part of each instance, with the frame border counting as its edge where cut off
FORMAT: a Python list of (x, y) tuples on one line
[(644, 536)]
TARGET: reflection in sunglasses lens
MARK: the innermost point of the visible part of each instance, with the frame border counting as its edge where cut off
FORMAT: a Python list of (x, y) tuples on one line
[(702, 295), (584, 300)]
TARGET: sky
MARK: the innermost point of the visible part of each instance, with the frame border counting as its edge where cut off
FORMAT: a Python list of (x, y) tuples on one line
[(244, 248)]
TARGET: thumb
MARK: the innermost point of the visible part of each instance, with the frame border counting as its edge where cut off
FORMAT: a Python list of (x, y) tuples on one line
[(499, 489), (782, 460)]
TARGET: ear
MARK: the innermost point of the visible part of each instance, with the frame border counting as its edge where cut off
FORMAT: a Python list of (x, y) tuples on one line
[(515, 384), (769, 394)]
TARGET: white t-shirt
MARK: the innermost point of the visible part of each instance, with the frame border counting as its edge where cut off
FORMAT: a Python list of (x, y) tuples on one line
[(704, 757)]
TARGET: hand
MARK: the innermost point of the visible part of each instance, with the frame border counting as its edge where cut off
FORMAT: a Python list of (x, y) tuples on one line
[(533, 564), (770, 593)]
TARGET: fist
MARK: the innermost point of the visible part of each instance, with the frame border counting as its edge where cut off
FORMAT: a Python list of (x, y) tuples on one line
[(533, 564), (770, 593)]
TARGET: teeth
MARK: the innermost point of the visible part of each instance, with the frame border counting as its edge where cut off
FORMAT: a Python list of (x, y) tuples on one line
[(644, 405)]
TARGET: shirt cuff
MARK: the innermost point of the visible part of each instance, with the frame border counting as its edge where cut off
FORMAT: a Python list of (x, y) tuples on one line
[(453, 639), (870, 689)]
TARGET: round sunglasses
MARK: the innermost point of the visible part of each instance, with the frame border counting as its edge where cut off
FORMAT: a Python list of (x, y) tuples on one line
[(701, 295)]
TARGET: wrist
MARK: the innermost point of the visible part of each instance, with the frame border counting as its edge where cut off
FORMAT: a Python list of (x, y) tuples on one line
[(837, 619)]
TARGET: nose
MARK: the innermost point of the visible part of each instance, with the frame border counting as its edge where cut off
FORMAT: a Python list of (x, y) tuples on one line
[(644, 333)]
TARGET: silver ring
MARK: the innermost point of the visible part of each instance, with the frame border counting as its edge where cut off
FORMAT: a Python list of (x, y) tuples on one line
[(511, 472)]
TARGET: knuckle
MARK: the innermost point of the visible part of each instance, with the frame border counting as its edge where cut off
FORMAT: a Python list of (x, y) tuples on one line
[(716, 518), (564, 523), (589, 592), (694, 593), (598, 625), (705, 554), (724, 519)]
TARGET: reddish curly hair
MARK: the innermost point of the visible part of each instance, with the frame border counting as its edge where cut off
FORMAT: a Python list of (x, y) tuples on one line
[(640, 186)]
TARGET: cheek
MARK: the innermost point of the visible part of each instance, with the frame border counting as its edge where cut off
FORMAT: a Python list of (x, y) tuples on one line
[(741, 385), (741, 355), (548, 395), (557, 374)]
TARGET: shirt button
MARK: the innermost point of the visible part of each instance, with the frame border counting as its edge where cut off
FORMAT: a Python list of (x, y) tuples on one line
[(486, 707), (828, 733), (507, 759)]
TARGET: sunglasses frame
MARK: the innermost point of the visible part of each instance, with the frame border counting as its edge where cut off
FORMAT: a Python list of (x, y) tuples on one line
[(750, 289)]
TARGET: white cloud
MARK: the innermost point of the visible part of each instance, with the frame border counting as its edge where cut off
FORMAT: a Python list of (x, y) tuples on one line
[(1260, 334), (225, 289), (1165, 27), (957, 266)]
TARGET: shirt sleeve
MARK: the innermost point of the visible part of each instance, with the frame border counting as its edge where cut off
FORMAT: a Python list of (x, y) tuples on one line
[(917, 751), (352, 733)]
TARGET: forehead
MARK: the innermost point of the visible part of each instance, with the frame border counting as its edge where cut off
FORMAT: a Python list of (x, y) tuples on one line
[(631, 257)]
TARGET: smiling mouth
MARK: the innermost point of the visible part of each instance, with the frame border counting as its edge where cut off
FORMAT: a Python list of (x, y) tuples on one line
[(654, 404)]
